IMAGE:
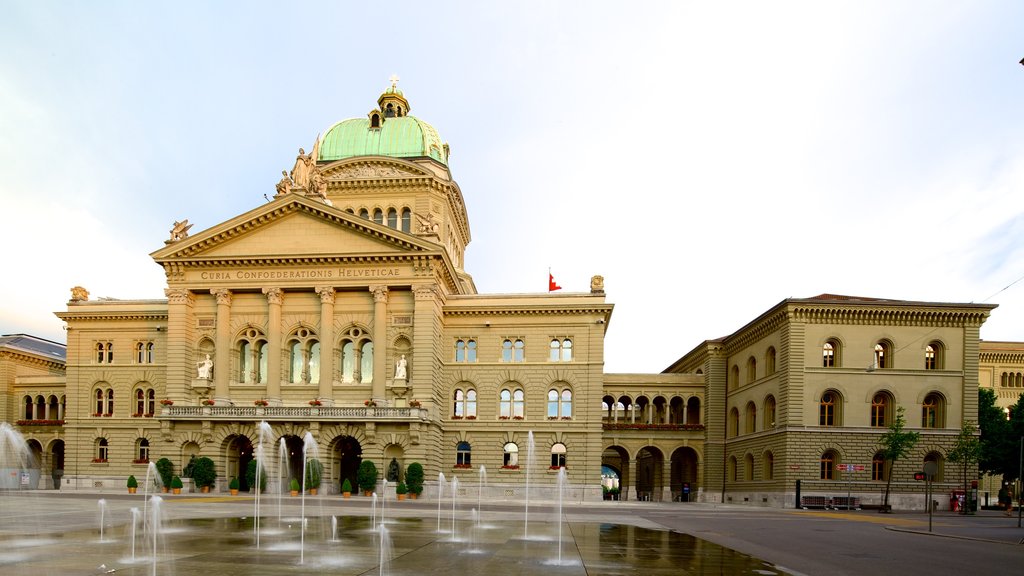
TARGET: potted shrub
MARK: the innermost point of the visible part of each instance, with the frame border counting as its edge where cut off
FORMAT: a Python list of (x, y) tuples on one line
[(165, 469), (176, 485), (346, 488), (133, 484), (414, 479), (314, 474), (233, 486), (366, 477), (293, 486), (250, 476), (204, 473), (401, 490)]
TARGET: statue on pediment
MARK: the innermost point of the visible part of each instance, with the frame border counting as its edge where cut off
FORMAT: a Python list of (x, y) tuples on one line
[(597, 284), (303, 166), (428, 226), (284, 184), (317, 183), (180, 230), (79, 294)]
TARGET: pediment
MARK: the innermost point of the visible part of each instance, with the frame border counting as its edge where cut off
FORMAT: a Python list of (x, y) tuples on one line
[(294, 227), (372, 169)]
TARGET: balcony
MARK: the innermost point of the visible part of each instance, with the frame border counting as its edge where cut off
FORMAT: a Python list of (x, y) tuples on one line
[(279, 413), (653, 427)]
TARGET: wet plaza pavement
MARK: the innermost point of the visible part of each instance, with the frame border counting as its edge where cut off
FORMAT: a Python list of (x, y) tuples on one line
[(215, 535)]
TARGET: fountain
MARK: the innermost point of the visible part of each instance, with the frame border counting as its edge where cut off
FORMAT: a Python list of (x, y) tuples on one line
[(385, 549), (482, 482), (264, 435), (282, 477), (440, 491), (103, 515), (133, 529), (529, 461), (455, 492)]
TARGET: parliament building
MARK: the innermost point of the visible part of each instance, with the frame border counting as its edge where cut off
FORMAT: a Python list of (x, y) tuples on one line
[(341, 309)]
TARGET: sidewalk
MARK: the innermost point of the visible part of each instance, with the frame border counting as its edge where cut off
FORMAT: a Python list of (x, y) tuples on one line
[(984, 525)]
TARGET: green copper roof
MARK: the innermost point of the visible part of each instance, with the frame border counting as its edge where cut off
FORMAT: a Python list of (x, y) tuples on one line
[(404, 137)]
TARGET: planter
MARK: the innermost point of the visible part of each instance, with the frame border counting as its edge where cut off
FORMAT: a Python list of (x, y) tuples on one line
[(293, 492), (205, 489), (165, 489), (413, 495), (176, 490), (346, 494), (131, 490), (312, 491), (401, 496), (234, 492), (367, 493)]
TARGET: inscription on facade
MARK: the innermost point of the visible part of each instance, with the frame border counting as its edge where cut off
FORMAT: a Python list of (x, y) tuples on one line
[(322, 274)]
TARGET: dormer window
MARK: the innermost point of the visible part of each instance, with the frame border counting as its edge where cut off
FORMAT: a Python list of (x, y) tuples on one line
[(374, 120), (389, 111)]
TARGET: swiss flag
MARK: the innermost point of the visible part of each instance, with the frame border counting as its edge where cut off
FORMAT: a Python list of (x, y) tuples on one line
[(551, 283)]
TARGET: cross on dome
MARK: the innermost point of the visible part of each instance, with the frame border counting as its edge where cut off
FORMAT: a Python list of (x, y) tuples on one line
[(394, 80)]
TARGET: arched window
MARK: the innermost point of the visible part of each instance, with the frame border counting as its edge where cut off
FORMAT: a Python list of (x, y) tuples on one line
[(751, 418), (512, 351), (355, 356), (406, 220), (693, 410), (769, 466), (751, 370), (828, 409), (830, 354), (102, 453), (392, 218), (378, 215), (459, 408), (150, 402), (559, 404), (566, 404), (769, 412), (934, 356), (748, 467), (769, 361), (366, 362), (144, 352), (142, 451), (731, 469), (511, 459), (465, 350), (558, 455), (252, 357), (937, 459), (363, 213), (828, 465), (99, 402), (561, 350), (463, 453), (104, 352), (878, 467), (883, 355), (110, 402), (734, 422), (29, 407), (734, 377), (470, 403), (881, 410), (932, 411), (140, 402), (552, 404), (304, 350), (465, 403), (518, 405)]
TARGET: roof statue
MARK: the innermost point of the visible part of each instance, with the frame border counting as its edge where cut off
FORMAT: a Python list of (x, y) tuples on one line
[(318, 185), (427, 225), (79, 294), (179, 231), (303, 165), (284, 184)]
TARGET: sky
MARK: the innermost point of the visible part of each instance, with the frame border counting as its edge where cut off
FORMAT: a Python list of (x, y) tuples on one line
[(709, 159)]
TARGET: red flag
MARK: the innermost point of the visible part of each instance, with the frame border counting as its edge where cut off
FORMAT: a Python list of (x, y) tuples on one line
[(551, 283)]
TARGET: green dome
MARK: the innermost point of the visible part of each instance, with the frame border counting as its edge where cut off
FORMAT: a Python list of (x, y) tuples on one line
[(404, 137)]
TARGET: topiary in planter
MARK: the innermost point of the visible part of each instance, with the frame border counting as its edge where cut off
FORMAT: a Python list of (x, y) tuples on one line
[(233, 485), (165, 469), (346, 487), (132, 482), (401, 489), (294, 486), (176, 483), (204, 472), (366, 477), (314, 473), (414, 478), (250, 475)]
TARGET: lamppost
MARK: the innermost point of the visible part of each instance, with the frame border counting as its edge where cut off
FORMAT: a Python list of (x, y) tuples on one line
[(1020, 462)]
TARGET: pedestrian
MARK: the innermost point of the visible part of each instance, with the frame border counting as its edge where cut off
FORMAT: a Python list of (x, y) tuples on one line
[(1005, 502)]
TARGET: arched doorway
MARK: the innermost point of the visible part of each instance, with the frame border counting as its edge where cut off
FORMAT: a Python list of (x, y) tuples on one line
[(649, 466), (683, 481), (616, 459), (348, 454), (293, 446), (57, 463), (239, 454)]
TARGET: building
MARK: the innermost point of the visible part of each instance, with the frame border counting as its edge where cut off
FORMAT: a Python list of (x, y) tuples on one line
[(341, 314)]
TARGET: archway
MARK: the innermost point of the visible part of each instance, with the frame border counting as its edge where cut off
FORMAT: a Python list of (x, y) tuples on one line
[(293, 446), (649, 466), (616, 458), (57, 463), (348, 454), (239, 454), (394, 470), (683, 480)]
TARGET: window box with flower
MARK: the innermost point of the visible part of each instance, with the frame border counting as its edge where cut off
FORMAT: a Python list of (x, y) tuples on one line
[(517, 417), (108, 414), (462, 466), (167, 402), (140, 461), (137, 415), (315, 402), (261, 402), (470, 417), (456, 417), (96, 414), (209, 402), (502, 417), (414, 403), (99, 460), (369, 403), (510, 467), (40, 422)]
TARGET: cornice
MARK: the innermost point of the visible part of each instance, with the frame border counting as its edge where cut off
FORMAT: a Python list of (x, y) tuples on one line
[(762, 328), (952, 315), (27, 358), (1002, 357), (95, 316), (524, 310)]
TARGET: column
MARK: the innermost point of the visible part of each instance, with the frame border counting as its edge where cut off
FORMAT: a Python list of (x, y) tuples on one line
[(179, 339), (275, 298), (633, 478), (380, 339), (326, 394), (222, 363)]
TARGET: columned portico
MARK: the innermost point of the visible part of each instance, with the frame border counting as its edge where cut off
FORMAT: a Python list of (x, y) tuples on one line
[(380, 342), (222, 362), (326, 343), (275, 298)]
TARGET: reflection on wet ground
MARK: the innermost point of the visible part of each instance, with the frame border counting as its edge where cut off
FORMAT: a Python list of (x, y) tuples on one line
[(351, 545)]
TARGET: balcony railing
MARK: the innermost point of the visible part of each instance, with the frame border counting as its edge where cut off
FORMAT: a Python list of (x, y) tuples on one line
[(374, 413), (653, 427)]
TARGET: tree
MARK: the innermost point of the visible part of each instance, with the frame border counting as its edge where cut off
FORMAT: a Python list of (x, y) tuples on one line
[(895, 444), (250, 475), (366, 476), (414, 478), (966, 449), (165, 469), (1000, 437), (204, 472)]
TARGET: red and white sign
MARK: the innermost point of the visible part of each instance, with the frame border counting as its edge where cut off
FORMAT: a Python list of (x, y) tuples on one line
[(851, 467)]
